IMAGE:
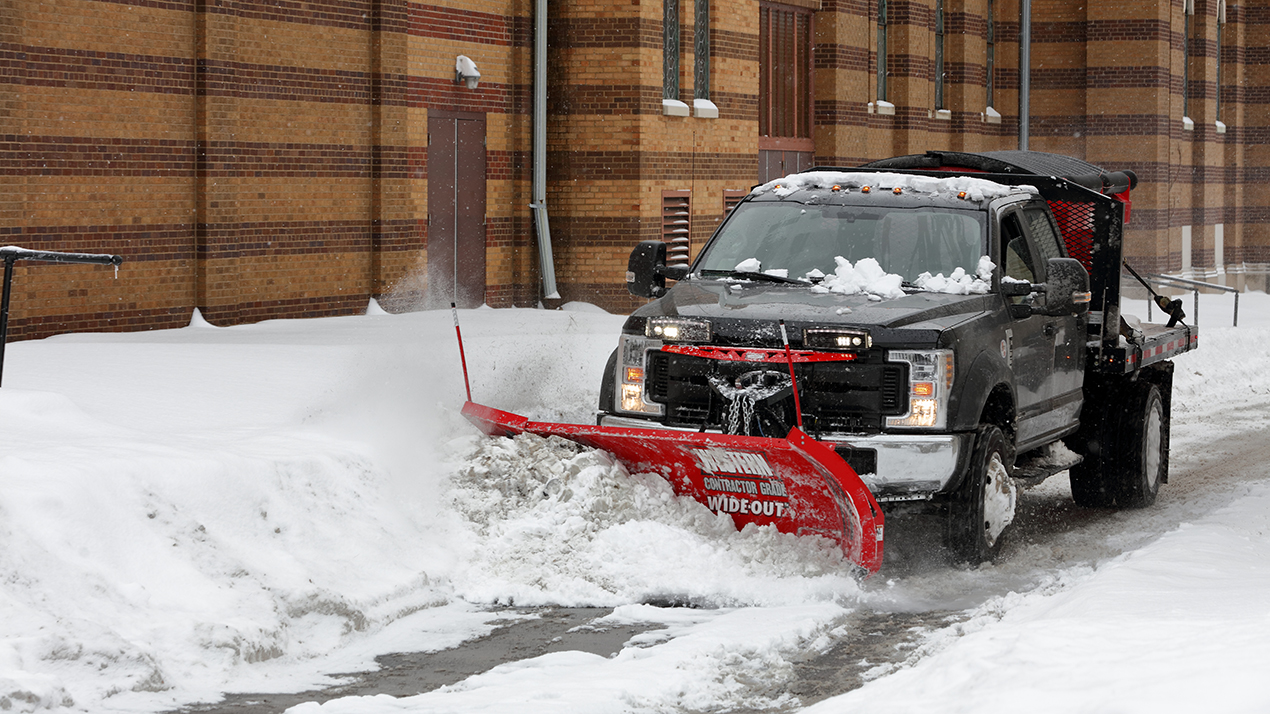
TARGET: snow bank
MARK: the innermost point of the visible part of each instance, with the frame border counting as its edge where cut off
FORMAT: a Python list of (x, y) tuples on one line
[(248, 508)]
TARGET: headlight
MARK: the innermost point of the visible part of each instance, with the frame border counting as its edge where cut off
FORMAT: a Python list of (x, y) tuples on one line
[(826, 339), (632, 359), (677, 329), (930, 380)]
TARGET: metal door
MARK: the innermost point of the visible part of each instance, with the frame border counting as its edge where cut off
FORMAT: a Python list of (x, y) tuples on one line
[(456, 209)]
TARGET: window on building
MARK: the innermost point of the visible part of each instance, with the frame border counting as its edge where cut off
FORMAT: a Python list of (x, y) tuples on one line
[(1221, 30), (701, 50), (670, 49), (990, 63), (939, 54), (785, 96), (1188, 24), (882, 38)]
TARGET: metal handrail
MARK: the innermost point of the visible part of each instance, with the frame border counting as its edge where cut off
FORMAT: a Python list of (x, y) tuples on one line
[(1194, 286), (12, 254)]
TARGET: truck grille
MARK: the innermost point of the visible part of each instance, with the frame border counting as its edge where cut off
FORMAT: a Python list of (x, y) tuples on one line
[(836, 396)]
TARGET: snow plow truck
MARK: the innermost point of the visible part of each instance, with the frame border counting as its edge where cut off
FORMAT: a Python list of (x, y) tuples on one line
[(923, 333)]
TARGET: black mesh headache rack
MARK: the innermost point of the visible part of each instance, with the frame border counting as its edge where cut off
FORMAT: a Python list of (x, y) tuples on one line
[(1091, 206)]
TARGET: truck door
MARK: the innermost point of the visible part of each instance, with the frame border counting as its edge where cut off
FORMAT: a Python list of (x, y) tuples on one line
[(1066, 332), (1029, 341)]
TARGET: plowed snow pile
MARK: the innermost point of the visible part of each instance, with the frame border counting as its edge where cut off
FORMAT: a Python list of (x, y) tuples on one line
[(189, 512), (554, 523)]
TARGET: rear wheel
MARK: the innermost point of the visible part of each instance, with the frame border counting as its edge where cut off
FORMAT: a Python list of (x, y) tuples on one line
[(1125, 445), (983, 505), (1144, 462)]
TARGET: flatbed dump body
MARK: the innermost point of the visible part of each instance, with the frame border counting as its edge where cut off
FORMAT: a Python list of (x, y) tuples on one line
[(1159, 343)]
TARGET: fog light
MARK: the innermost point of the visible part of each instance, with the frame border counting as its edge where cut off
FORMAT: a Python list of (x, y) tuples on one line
[(633, 397), (678, 329)]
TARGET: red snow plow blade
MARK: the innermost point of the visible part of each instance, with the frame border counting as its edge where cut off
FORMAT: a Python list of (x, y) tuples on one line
[(797, 484)]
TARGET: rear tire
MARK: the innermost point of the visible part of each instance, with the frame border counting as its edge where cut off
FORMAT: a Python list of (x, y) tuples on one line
[(983, 505), (1143, 464), (1125, 445)]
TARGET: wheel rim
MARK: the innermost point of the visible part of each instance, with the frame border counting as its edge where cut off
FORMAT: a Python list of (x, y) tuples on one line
[(1151, 443), (998, 500)]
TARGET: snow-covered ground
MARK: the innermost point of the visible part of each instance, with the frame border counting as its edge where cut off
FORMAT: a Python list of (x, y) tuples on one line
[(190, 512)]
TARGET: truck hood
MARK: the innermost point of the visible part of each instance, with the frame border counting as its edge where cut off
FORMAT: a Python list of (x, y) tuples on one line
[(727, 300)]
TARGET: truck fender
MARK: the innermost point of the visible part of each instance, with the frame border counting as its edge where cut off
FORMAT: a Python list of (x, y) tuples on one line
[(608, 402), (986, 373)]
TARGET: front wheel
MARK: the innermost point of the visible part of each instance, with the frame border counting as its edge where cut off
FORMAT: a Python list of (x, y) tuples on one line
[(983, 505)]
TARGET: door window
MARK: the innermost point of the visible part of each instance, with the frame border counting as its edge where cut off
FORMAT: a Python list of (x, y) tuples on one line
[(1016, 255), (1044, 237)]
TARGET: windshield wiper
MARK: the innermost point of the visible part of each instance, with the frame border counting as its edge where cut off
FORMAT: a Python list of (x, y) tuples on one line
[(742, 275)]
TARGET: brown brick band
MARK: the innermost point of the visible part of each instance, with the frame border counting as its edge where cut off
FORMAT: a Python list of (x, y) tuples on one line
[(604, 33), (98, 321), (838, 56), (240, 240), (456, 25), (76, 156), (632, 165), (148, 243), (174, 241), (89, 70)]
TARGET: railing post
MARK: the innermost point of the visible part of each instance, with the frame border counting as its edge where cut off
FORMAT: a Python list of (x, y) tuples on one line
[(4, 309)]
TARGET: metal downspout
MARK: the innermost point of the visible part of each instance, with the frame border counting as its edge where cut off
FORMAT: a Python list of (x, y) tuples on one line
[(1025, 73), (539, 205)]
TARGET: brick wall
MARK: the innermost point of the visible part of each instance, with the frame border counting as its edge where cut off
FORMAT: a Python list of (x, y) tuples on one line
[(256, 160)]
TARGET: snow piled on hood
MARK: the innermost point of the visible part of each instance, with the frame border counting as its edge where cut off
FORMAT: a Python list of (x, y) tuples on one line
[(960, 282), (866, 276), (976, 189)]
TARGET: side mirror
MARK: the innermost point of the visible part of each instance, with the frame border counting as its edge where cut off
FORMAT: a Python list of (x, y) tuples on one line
[(1066, 292), (1067, 287), (646, 271)]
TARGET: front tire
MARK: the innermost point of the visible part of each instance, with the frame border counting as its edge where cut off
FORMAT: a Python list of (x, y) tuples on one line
[(983, 505)]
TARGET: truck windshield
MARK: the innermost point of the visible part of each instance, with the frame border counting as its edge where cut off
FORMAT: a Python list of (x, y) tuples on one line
[(796, 239)]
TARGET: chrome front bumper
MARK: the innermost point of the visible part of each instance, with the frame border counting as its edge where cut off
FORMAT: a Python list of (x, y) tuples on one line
[(908, 465)]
